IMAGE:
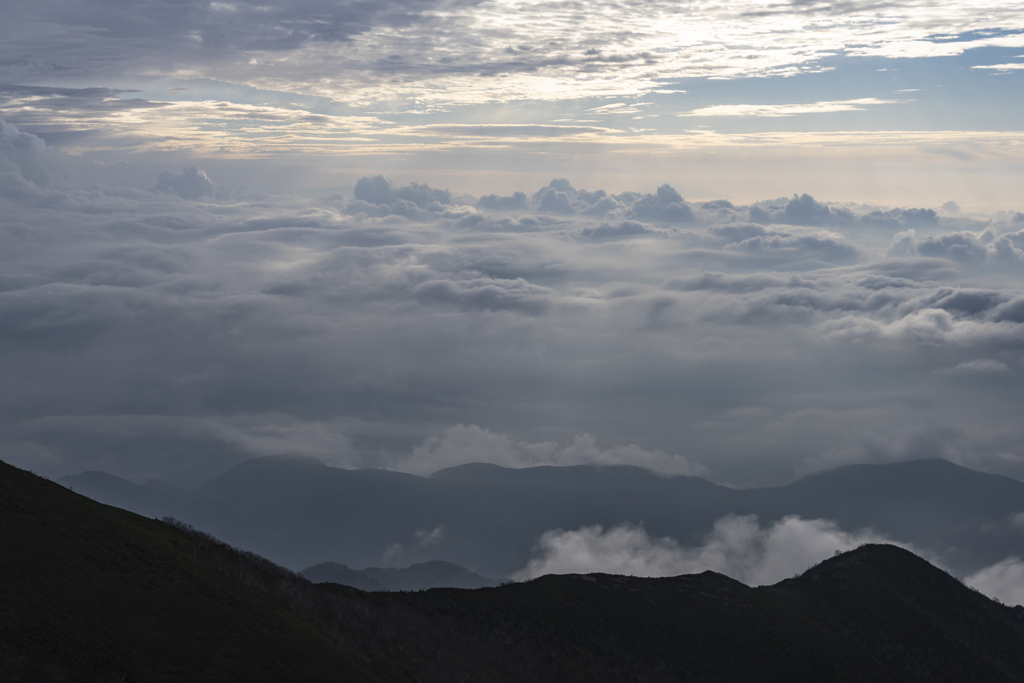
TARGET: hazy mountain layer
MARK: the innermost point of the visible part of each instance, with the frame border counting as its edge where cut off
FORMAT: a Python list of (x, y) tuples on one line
[(421, 576), (299, 512)]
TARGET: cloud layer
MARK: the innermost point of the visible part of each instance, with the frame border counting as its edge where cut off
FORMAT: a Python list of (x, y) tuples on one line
[(176, 330), (737, 546)]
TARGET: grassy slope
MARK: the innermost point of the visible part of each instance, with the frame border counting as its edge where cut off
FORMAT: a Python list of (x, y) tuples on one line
[(89, 592)]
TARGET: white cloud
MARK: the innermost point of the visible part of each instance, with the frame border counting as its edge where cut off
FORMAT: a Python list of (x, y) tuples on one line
[(1001, 67), (465, 444), (437, 53), (737, 547), (903, 49), (428, 537), (1003, 581), (776, 110)]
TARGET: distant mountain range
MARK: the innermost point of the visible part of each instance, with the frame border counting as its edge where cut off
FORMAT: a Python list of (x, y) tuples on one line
[(299, 512), (421, 576), (94, 593)]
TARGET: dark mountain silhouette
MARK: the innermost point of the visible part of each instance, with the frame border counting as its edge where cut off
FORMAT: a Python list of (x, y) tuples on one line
[(421, 576), (299, 512), (96, 593), (910, 615)]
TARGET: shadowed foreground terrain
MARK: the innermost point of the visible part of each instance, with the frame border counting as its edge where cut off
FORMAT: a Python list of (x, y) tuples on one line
[(92, 592)]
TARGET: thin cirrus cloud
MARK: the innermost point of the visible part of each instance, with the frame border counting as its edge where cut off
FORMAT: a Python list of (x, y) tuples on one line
[(775, 110), (1000, 67)]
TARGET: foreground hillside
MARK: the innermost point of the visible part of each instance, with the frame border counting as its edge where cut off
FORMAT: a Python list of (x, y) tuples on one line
[(96, 593), (93, 593), (901, 610)]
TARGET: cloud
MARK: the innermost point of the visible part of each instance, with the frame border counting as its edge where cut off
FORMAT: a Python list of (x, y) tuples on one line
[(777, 110), (377, 196), (737, 546), (623, 229), (23, 169), (427, 53), (1003, 581), (980, 366), (465, 444), (380, 190), (485, 295), (506, 130), (428, 537), (962, 245), (192, 183), (666, 205), (518, 201), (364, 332), (1000, 67)]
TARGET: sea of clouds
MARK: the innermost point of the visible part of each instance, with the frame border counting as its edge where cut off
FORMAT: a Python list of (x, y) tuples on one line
[(176, 331)]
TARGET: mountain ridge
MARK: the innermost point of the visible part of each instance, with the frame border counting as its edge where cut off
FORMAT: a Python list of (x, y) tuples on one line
[(488, 518), (826, 624)]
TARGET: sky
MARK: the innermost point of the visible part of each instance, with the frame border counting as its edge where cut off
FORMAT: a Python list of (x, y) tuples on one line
[(734, 239)]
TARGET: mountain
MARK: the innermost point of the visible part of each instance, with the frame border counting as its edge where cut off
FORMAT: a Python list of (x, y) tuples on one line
[(111, 490), (94, 593), (877, 613), (910, 615), (299, 512), (421, 576)]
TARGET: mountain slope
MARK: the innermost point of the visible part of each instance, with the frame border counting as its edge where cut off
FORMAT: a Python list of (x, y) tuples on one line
[(910, 615), (91, 592), (96, 593)]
